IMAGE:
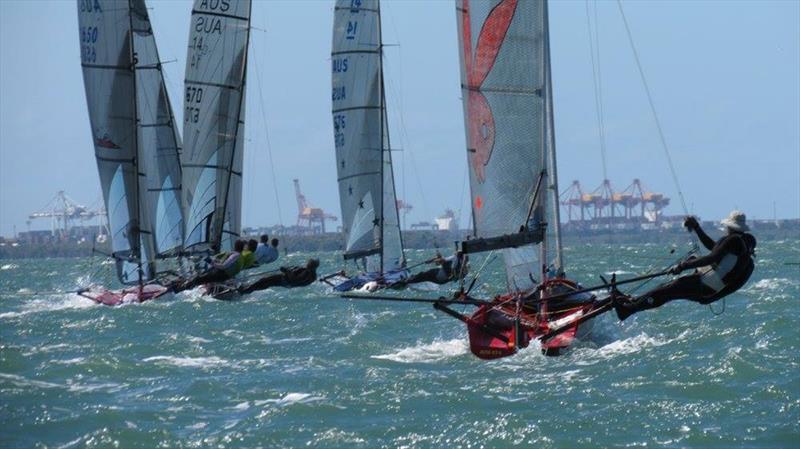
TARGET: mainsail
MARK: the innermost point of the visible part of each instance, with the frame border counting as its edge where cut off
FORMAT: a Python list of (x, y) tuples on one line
[(363, 155), (158, 138), (507, 96), (213, 130), (110, 74)]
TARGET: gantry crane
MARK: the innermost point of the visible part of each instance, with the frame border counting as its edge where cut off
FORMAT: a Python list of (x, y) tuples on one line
[(311, 219), (63, 211)]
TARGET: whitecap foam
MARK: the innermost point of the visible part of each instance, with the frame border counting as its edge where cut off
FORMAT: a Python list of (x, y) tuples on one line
[(9, 266), (629, 346), (297, 398), (190, 362), (427, 353), (62, 302), (772, 284)]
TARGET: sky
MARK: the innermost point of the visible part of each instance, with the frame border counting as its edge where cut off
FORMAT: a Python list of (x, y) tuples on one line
[(724, 77)]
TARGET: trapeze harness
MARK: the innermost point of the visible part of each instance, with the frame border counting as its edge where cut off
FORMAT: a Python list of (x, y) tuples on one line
[(731, 272)]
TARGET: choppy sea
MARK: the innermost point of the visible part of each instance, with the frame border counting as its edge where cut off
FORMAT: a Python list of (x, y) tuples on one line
[(302, 368)]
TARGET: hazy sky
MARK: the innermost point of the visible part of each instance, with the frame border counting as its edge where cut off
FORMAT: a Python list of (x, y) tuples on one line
[(725, 78)]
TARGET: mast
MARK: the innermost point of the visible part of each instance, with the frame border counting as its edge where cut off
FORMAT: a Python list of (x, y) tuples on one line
[(552, 167), (137, 250), (383, 131)]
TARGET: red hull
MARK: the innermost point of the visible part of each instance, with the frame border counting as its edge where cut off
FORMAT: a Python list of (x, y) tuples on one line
[(125, 296), (492, 327)]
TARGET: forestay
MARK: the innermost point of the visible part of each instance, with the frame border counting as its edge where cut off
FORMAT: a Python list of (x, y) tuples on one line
[(108, 62), (505, 79), (158, 138), (363, 156), (213, 129)]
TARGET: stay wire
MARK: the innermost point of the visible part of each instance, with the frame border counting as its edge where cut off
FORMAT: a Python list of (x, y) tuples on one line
[(594, 52), (266, 137), (653, 109)]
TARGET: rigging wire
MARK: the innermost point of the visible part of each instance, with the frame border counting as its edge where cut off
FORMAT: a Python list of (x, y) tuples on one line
[(266, 138), (653, 109), (594, 51)]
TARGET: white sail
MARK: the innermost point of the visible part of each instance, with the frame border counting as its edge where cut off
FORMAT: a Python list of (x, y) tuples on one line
[(213, 131), (363, 157), (505, 78), (108, 62), (158, 138)]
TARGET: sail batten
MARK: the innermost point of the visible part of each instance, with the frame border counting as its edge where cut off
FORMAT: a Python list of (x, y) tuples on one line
[(214, 110)]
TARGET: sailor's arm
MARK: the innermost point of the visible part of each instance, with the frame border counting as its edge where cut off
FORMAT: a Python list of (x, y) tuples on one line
[(713, 257), (693, 225)]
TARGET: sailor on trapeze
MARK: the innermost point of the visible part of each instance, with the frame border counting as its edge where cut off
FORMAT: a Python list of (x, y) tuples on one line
[(449, 269), (723, 271)]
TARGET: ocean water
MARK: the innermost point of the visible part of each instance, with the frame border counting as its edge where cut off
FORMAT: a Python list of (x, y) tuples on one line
[(301, 368)]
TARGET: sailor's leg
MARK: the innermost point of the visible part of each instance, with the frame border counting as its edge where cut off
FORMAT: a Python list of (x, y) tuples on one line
[(688, 287), (424, 276), (263, 283)]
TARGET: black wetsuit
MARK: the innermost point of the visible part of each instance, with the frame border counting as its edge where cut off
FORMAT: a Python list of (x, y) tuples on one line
[(692, 287), (288, 277), (448, 271)]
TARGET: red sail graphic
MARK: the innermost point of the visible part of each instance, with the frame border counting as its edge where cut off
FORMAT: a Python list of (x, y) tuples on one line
[(478, 66)]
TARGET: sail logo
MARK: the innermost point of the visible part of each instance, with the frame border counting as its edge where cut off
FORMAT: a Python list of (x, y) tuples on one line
[(477, 65), (105, 142)]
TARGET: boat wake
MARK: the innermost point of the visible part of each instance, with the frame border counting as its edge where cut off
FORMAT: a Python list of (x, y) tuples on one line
[(428, 353)]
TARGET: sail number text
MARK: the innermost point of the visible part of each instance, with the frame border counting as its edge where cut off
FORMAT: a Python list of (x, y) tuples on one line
[(338, 130), (88, 39), (89, 6), (339, 65), (338, 93), (194, 96)]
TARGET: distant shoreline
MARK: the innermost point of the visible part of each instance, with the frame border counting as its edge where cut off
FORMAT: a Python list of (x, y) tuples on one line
[(445, 240)]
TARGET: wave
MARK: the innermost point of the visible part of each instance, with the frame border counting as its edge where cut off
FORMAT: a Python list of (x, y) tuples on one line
[(428, 353), (190, 362)]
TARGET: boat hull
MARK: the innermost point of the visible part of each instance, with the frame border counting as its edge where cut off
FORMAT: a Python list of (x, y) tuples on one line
[(493, 327), (129, 295)]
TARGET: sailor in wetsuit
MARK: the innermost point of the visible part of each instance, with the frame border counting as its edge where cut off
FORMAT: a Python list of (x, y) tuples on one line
[(229, 267), (723, 271), (296, 276), (450, 268)]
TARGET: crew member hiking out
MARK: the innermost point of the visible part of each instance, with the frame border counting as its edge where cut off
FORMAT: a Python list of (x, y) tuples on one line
[(219, 271), (723, 271), (248, 255), (295, 276), (450, 269)]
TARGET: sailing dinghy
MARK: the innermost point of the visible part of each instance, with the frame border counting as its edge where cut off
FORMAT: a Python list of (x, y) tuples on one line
[(136, 145), (213, 127), (371, 223), (508, 111)]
